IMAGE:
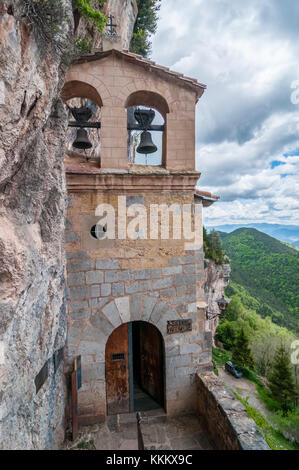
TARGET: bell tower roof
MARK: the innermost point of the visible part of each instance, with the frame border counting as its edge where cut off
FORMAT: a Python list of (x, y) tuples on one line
[(149, 65)]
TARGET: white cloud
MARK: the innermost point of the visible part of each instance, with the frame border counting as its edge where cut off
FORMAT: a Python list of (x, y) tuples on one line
[(248, 57)]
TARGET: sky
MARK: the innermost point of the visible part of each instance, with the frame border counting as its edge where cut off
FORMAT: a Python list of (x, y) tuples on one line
[(247, 126)]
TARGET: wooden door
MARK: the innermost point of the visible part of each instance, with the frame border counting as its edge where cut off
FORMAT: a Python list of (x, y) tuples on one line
[(151, 362), (117, 372)]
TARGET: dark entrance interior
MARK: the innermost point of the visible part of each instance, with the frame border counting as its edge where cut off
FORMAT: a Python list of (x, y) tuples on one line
[(135, 368)]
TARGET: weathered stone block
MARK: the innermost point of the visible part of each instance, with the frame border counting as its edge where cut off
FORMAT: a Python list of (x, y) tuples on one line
[(132, 288), (76, 279), (80, 315), (92, 372), (71, 237), (179, 361), (94, 277), (73, 335), (123, 306), (144, 286), (82, 255), (160, 308), (100, 321), (97, 303), (148, 305), (90, 347), (95, 291), (190, 269), (118, 289), (156, 273), (111, 276), (105, 290), (142, 274), (78, 305), (184, 279), (82, 266), (171, 292), (126, 275), (79, 292), (107, 264), (93, 334), (172, 270), (184, 300), (185, 371), (136, 307), (192, 308), (68, 224), (162, 283), (190, 348), (111, 312)]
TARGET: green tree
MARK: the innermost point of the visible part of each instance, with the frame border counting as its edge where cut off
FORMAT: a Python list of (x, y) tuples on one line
[(213, 247), (281, 380), (233, 309), (242, 355), (226, 333), (145, 25)]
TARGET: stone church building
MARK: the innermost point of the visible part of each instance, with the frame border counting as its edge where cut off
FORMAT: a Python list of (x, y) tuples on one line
[(136, 310)]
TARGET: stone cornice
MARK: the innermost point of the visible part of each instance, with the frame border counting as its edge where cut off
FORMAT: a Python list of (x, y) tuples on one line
[(123, 181)]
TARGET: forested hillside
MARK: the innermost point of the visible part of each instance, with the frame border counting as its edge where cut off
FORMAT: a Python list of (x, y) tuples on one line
[(268, 270)]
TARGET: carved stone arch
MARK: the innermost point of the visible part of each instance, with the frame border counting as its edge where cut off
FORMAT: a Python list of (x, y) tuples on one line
[(148, 98), (79, 89)]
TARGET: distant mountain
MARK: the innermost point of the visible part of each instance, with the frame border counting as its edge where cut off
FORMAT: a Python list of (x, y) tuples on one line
[(269, 270), (284, 233)]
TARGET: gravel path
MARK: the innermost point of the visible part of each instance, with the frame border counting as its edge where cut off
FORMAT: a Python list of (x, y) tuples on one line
[(244, 388)]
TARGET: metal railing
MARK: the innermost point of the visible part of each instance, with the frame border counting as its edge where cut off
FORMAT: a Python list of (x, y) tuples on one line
[(139, 432)]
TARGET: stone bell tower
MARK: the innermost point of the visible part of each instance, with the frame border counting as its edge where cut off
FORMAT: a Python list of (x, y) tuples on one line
[(135, 263)]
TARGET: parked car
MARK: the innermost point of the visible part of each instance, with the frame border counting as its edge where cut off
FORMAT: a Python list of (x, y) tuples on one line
[(232, 369)]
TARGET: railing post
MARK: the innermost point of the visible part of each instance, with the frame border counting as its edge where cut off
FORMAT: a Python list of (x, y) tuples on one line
[(139, 432)]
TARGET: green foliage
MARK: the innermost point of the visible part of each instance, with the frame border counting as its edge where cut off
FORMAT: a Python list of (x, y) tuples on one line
[(227, 333), (220, 356), (91, 14), (281, 381), (85, 445), (268, 272), (145, 25), (274, 439), (82, 45), (242, 355), (213, 248), (288, 425)]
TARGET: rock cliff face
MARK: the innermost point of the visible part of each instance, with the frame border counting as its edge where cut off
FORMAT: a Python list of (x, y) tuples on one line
[(216, 279), (33, 124)]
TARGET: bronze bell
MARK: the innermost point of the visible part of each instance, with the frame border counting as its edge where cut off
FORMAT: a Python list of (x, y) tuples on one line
[(146, 145), (82, 141)]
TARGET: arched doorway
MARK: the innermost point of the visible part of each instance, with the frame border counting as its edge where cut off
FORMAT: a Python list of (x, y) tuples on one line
[(134, 368)]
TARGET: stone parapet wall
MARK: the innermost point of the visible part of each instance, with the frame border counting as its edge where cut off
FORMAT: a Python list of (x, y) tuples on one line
[(225, 418)]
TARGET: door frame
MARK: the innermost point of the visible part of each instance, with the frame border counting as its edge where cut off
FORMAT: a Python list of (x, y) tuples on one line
[(131, 364)]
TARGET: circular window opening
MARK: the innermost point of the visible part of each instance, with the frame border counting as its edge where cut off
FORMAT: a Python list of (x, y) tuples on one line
[(98, 231)]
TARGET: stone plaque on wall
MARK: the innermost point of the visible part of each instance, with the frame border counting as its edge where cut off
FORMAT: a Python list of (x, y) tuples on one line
[(179, 326)]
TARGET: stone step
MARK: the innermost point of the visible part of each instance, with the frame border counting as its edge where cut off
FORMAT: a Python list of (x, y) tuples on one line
[(122, 421)]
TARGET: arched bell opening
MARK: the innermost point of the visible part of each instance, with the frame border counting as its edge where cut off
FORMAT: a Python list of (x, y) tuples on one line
[(84, 107), (135, 368), (146, 119)]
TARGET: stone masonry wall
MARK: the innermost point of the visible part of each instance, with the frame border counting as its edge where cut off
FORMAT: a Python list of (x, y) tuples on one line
[(149, 280), (225, 418)]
